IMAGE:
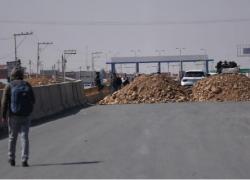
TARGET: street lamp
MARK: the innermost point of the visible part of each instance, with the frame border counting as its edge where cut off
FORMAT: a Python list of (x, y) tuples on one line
[(135, 51), (38, 54), (15, 36), (159, 51), (64, 61), (92, 63), (180, 65), (93, 58), (205, 53)]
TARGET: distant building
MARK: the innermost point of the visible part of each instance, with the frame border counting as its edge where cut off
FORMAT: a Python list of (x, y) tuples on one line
[(3, 72), (48, 72)]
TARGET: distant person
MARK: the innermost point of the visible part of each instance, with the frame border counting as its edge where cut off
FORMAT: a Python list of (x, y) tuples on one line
[(125, 80), (119, 82), (114, 86), (219, 67), (98, 81), (102, 76), (16, 106)]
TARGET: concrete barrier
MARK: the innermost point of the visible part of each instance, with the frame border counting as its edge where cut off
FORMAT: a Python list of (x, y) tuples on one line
[(65, 94), (69, 91), (38, 111), (47, 104), (56, 98), (81, 94), (75, 94)]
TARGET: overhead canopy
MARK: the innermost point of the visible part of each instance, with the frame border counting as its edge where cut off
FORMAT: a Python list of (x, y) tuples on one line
[(157, 59)]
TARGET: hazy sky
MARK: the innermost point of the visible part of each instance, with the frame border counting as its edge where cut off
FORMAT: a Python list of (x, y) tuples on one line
[(116, 27)]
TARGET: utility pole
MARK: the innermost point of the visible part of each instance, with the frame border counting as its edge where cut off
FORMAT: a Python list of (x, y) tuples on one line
[(15, 36), (135, 51), (205, 54), (30, 67), (80, 72), (160, 51), (64, 61), (38, 54), (92, 63), (54, 70), (58, 65), (93, 59), (86, 60), (180, 66)]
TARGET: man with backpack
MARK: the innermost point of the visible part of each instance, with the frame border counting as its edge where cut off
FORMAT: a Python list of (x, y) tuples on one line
[(17, 104)]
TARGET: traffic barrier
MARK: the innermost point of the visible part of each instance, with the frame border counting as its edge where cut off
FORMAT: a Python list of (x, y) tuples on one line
[(80, 92), (65, 96), (70, 92), (75, 95), (55, 98), (46, 101), (38, 108)]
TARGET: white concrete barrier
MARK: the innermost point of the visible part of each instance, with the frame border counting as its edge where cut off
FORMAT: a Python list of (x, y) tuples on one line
[(56, 98), (38, 111)]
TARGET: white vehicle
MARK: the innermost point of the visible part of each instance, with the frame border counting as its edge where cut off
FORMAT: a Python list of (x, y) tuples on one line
[(191, 77)]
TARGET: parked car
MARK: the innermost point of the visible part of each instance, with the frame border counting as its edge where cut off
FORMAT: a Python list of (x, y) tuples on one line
[(191, 77)]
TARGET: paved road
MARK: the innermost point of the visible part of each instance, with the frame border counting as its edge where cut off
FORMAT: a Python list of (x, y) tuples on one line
[(184, 140)]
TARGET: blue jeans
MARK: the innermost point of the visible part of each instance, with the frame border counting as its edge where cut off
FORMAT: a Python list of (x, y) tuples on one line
[(19, 124)]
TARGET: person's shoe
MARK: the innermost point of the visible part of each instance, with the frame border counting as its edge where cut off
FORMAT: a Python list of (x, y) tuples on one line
[(25, 164), (12, 162)]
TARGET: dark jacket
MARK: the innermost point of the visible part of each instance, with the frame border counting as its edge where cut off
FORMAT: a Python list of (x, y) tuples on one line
[(114, 83), (5, 103)]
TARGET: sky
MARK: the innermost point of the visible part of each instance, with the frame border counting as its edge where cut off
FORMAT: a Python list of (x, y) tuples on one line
[(121, 28)]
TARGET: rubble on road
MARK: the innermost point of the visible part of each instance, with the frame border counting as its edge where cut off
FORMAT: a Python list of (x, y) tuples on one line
[(157, 88), (222, 87)]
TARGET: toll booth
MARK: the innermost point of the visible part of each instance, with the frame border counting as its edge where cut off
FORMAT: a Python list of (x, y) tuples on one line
[(159, 60)]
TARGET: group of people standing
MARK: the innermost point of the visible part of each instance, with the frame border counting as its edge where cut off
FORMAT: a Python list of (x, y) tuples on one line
[(117, 82)]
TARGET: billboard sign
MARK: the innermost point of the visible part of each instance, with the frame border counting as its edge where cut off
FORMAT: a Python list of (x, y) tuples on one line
[(243, 50), (246, 51)]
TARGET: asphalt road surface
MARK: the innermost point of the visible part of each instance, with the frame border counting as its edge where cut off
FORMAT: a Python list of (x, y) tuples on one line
[(179, 140)]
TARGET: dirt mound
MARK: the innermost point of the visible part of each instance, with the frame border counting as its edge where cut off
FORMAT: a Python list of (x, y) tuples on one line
[(222, 87), (41, 80), (149, 89)]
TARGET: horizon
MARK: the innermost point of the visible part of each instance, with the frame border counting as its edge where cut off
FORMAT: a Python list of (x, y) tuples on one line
[(125, 29)]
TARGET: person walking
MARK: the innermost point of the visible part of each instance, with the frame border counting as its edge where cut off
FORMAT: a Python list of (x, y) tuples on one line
[(119, 82), (16, 106), (125, 80), (98, 81), (114, 86)]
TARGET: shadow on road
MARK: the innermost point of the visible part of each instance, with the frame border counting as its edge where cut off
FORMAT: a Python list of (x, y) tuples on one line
[(58, 116), (67, 163), (62, 114)]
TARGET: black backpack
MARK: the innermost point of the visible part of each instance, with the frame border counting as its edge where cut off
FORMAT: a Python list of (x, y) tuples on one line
[(21, 100)]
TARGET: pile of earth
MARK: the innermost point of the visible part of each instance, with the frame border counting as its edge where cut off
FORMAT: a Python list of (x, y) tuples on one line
[(158, 88), (41, 80), (222, 87)]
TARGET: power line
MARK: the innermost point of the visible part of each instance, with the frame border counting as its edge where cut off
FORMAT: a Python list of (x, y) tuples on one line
[(15, 37), (21, 42), (5, 39), (126, 23), (9, 55)]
